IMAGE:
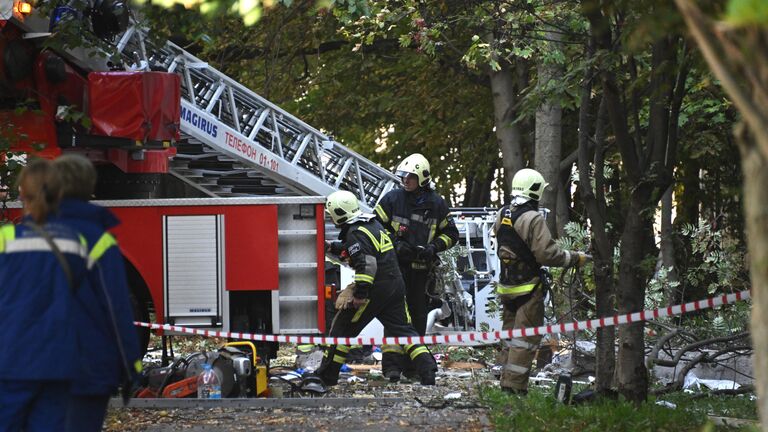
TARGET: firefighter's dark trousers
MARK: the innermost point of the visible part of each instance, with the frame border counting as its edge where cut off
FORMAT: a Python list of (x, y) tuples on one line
[(393, 358), (387, 303), (523, 311)]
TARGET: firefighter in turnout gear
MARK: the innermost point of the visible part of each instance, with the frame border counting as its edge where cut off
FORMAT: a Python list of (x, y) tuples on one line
[(524, 244), (378, 292), (418, 219)]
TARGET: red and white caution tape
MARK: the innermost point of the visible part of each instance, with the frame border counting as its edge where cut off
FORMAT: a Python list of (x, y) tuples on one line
[(470, 337)]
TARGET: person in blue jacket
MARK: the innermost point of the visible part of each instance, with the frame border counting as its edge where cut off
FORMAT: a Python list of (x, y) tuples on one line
[(42, 264), (107, 341)]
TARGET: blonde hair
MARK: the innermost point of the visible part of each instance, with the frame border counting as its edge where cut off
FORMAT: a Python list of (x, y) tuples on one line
[(39, 189), (78, 176)]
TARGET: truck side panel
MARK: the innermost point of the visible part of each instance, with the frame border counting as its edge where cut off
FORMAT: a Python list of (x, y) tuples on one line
[(251, 244)]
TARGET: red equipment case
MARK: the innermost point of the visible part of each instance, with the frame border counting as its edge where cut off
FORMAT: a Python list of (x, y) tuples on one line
[(143, 106)]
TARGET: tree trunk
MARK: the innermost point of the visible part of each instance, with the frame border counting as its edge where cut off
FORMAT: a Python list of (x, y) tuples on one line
[(508, 133), (755, 167), (668, 246), (549, 131), (594, 203), (478, 193), (631, 373), (605, 290), (563, 207)]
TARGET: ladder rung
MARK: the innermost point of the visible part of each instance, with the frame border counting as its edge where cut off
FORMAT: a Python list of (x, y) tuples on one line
[(297, 232), (297, 265), (298, 298)]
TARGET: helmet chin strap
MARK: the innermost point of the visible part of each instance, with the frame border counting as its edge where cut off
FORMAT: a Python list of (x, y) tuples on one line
[(519, 200), (365, 217)]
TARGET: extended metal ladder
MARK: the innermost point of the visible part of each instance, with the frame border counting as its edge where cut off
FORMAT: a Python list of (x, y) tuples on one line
[(239, 127), (475, 226)]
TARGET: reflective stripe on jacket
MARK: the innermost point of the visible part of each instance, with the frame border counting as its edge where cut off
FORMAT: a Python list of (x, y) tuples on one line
[(418, 219), (108, 346), (532, 229), (371, 254), (37, 333)]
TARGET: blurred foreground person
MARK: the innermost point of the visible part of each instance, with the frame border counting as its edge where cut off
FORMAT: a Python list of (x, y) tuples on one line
[(42, 264), (107, 343)]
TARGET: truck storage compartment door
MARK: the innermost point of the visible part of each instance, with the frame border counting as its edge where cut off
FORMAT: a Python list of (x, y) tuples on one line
[(193, 259), (302, 270)]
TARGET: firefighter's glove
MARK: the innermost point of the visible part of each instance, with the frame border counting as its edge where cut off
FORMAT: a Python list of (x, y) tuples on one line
[(427, 253), (361, 291), (344, 300), (583, 259), (506, 254), (404, 251), (335, 248)]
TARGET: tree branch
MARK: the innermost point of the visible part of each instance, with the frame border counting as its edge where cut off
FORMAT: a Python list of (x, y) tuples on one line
[(684, 350)]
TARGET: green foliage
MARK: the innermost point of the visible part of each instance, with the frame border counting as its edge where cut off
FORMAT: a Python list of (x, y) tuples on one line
[(747, 12), (659, 287), (70, 114), (708, 186), (722, 322), (539, 411), (11, 162), (577, 237), (248, 11), (721, 259), (8, 172), (573, 288), (739, 407), (481, 354)]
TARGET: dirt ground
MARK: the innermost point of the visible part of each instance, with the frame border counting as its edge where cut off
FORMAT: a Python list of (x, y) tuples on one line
[(451, 405), (379, 417)]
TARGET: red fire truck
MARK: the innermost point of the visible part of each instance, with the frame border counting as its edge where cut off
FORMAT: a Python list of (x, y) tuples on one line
[(218, 189)]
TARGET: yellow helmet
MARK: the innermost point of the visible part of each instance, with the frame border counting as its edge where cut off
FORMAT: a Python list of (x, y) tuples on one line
[(528, 183), (343, 207), (417, 165)]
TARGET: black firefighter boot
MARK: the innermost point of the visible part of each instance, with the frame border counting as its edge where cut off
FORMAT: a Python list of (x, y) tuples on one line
[(312, 383), (326, 375), (392, 364), (427, 367)]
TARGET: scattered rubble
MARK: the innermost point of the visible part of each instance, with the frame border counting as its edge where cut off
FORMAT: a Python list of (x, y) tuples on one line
[(452, 404)]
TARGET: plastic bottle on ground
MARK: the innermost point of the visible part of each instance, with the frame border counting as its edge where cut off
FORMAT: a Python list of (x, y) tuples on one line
[(208, 384)]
